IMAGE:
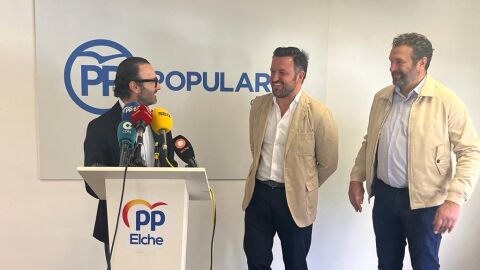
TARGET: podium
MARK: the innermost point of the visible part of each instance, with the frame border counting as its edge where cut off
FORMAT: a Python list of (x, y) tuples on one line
[(152, 228)]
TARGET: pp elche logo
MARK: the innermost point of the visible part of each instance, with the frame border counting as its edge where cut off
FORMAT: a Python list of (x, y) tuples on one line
[(145, 220), (90, 71)]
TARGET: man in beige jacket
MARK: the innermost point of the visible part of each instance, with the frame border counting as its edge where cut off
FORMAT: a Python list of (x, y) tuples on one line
[(294, 145), (405, 159)]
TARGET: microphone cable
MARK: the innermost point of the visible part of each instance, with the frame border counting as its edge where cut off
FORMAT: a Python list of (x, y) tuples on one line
[(120, 205), (214, 220), (168, 162), (156, 156), (164, 149)]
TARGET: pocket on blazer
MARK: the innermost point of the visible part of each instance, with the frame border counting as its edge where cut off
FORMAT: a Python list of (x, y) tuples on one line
[(312, 184), (305, 142), (442, 159)]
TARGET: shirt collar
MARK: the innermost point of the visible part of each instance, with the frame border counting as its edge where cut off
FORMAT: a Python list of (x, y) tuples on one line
[(414, 92), (296, 99), (122, 104)]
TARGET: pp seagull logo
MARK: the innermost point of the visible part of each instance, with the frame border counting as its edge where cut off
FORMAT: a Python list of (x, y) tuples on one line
[(88, 73)]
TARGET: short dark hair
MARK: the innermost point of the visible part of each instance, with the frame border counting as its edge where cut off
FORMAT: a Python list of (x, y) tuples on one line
[(422, 47), (300, 57), (127, 71)]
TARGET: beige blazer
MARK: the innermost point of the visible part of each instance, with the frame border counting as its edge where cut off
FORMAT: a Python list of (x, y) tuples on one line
[(311, 153)]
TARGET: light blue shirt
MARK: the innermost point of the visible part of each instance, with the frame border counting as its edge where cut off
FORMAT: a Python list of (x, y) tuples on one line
[(392, 154)]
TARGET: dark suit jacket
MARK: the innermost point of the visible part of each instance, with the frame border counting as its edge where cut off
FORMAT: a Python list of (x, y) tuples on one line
[(102, 149)]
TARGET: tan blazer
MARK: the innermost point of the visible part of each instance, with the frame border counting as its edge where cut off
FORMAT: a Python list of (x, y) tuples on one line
[(311, 153)]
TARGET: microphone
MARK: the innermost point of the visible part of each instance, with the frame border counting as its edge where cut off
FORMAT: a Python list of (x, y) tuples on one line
[(161, 120), (126, 135), (128, 109), (184, 150), (162, 123), (141, 118)]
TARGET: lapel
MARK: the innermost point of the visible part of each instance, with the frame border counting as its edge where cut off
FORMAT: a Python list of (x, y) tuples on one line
[(261, 112), (299, 114)]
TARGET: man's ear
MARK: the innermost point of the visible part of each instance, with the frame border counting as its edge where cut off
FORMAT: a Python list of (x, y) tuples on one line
[(133, 86), (422, 63), (301, 75)]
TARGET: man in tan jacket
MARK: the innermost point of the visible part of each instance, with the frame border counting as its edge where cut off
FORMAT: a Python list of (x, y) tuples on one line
[(294, 145), (405, 159)]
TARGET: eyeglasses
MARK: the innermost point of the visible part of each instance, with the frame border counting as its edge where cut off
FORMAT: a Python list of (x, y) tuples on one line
[(148, 80)]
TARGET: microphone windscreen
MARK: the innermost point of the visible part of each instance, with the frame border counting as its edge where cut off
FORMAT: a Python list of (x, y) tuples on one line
[(161, 120), (126, 134), (141, 115), (183, 148), (128, 109)]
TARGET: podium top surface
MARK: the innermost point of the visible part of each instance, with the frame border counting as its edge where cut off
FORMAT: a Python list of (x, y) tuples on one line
[(195, 178)]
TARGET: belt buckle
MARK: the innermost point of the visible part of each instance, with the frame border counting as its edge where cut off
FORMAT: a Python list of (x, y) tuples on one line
[(273, 184)]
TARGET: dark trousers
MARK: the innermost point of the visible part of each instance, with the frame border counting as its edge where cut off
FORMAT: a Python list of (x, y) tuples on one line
[(266, 215), (395, 223)]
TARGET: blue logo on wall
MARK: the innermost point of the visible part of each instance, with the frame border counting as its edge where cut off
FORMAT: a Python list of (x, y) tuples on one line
[(102, 57), (90, 72)]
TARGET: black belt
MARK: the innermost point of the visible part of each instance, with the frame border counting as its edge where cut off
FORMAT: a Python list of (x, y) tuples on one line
[(271, 183), (380, 182)]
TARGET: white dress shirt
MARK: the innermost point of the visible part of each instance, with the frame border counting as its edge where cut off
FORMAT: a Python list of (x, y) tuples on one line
[(272, 156)]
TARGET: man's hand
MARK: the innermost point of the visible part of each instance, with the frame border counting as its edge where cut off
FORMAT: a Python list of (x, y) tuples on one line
[(355, 193), (446, 217)]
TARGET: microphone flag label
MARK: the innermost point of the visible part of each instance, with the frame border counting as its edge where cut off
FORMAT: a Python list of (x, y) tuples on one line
[(180, 143)]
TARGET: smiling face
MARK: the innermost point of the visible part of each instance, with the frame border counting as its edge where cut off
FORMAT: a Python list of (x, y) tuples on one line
[(285, 82), (405, 73), (147, 91)]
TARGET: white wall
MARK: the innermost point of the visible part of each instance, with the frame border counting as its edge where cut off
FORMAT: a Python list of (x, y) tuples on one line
[(203, 36), (360, 36), (47, 225)]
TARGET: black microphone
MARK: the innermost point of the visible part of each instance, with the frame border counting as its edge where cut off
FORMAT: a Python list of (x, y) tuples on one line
[(141, 118), (184, 150)]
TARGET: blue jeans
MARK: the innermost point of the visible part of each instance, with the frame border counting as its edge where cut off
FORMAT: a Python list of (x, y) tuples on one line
[(395, 223)]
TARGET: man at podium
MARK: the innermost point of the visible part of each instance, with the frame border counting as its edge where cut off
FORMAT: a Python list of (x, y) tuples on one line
[(135, 81)]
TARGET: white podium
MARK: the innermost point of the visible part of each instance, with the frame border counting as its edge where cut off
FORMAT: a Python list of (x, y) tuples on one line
[(152, 228)]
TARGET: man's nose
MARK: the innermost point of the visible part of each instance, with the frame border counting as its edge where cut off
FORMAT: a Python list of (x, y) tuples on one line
[(393, 67)]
